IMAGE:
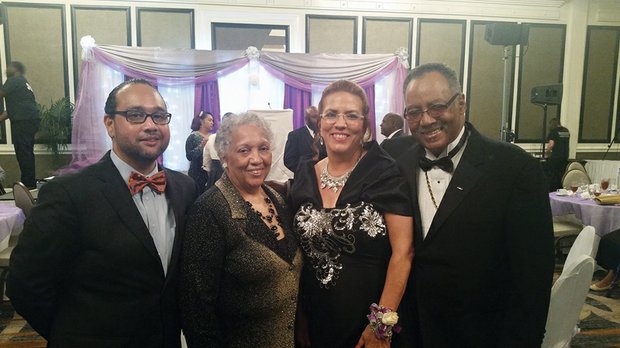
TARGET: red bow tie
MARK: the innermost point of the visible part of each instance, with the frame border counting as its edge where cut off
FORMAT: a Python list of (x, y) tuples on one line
[(156, 182)]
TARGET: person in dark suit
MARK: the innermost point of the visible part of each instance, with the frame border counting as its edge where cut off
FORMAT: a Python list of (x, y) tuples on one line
[(299, 142), (396, 147), (391, 126), (96, 264), (557, 153), (483, 237)]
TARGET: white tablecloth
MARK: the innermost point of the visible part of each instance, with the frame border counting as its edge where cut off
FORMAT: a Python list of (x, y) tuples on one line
[(11, 222), (598, 170), (604, 218)]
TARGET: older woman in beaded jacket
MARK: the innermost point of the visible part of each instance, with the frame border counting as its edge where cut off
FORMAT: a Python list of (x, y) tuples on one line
[(241, 264)]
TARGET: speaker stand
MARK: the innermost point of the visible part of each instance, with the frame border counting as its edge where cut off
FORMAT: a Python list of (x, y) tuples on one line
[(544, 132), (613, 140), (505, 132)]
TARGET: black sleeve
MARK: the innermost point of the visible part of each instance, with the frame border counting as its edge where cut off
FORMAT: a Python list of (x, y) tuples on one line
[(529, 233), (291, 152), (9, 86), (202, 265), (193, 150), (47, 246)]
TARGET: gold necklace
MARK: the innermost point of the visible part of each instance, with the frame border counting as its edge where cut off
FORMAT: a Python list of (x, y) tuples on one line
[(430, 190)]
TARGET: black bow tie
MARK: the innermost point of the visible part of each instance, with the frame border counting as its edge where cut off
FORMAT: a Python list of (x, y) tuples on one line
[(444, 163)]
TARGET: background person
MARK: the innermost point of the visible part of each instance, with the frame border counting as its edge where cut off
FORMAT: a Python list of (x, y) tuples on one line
[(241, 263), (354, 222), (484, 254), (299, 143), (608, 257), (96, 264), (194, 145), (211, 160), (22, 110), (391, 126), (557, 153)]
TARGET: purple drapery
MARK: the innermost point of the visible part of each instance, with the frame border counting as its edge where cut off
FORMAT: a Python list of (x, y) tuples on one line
[(298, 100), (181, 67), (208, 99), (370, 94)]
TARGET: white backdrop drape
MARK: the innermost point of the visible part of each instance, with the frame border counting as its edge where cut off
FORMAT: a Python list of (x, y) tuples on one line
[(247, 79)]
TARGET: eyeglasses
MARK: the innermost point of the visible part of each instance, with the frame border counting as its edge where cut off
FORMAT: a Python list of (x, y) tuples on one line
[(435, 110), (139, 116), (331, 117)]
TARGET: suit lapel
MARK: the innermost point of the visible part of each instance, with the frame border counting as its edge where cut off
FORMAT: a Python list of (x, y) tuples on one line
[(308, 137), (466, 177), (117, 194), (175, 198)]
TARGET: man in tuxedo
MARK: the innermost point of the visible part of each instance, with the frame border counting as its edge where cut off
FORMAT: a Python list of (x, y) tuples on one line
[(391, 126), (483, 233), (299, 142), (96, 263)]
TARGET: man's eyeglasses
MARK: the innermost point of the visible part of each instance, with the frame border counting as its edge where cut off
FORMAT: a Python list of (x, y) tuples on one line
[(139, 116), (435, 110), (331, 117)]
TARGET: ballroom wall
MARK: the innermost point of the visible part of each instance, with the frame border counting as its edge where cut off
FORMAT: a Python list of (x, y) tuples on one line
[(571, 42)]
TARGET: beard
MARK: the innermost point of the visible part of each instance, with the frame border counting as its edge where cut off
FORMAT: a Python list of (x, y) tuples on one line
[(140, 153)]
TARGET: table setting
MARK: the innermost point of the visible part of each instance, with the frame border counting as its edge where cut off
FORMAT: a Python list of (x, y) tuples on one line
[(597, 205)]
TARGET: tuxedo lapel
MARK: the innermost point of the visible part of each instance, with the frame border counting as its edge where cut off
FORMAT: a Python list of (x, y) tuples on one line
[(466, 177), (118, 195), (409, 166)]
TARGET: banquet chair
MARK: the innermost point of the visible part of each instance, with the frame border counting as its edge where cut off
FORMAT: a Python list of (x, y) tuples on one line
[(585, 244), (565, 231), (577, 166), (575, 176), (568, 295), (23, 198)]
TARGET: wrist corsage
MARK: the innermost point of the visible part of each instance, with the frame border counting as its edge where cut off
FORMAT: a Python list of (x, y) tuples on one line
[(383, 321)]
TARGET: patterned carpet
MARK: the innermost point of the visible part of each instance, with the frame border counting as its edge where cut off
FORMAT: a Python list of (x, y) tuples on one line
[(600, 324)]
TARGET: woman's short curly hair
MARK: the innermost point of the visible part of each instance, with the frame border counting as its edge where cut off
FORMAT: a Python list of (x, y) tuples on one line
[(229, 124)]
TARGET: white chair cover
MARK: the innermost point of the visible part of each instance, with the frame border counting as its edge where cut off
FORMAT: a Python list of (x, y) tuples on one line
[(585, 244), (575, 176), (567, 298), (577, 166), (23, 198)]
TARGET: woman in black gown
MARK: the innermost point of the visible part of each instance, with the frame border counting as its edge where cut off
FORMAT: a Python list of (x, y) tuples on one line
[(194, 145), (355, 227)]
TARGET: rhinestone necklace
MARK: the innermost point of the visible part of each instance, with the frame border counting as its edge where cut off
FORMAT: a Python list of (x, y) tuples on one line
[(272, 219), (334, 182)]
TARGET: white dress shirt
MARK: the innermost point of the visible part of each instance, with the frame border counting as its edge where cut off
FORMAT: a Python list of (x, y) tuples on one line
[(394, 132), (311, 131), (155, 210), (439, 181)]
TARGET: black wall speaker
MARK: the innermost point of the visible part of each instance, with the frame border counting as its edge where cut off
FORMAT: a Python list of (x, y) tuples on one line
[(506, 34), (550, 95)]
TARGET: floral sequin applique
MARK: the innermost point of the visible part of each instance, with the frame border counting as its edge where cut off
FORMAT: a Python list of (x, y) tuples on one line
[(326, 233)]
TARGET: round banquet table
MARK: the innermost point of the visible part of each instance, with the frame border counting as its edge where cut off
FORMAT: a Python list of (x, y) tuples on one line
[(11, 222), (604, 218)]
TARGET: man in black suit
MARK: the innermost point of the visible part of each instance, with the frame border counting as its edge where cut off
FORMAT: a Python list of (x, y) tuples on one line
[(391, 126), (483, 233), (96, 264), (299, 142)]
